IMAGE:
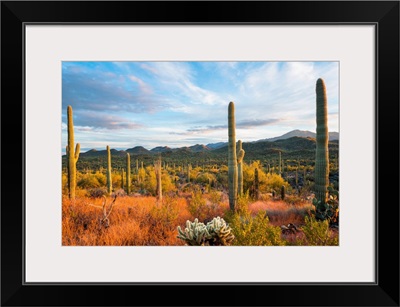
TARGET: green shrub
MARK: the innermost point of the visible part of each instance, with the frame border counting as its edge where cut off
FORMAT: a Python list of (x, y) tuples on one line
[(252, 230), (197, 206), (89, 180), (317, 233)]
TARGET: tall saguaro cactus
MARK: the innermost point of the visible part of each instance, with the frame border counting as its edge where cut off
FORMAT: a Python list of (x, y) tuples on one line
[(240, 157), (109, 180), (256, 185), (189, 168), (280, 164), (322, 153), (157, 167), (232, 159), (128, 173), (72, 155), (122, 179)]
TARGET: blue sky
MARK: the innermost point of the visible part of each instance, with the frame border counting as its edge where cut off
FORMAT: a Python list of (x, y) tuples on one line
[(149, 104)]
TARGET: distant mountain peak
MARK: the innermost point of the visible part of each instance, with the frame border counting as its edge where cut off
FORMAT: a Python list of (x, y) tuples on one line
[(300, 133), (160, 149), (200, 148)]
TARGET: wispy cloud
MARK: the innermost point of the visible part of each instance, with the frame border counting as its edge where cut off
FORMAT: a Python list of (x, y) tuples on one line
[(91, 119), (165, 103)]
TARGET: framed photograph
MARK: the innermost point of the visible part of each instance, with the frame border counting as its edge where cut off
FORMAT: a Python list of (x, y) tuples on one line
[(202, 152)]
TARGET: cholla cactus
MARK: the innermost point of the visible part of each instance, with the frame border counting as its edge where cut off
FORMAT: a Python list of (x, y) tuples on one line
[(215, 232), (195, 233), (220, 231)]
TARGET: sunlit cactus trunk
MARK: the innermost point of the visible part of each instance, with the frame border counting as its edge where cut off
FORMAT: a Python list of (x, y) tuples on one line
[(322, 153), (128, 173), (256, 185), (240, 157), (157, 168), (122, 179), (232, 159), (280, 164), (72, 155), (109, 179)]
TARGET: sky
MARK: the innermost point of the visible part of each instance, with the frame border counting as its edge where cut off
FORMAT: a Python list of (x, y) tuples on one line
[(175, 104)]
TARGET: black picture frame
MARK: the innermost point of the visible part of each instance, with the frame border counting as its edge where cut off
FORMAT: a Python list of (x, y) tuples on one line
[(383, 14)]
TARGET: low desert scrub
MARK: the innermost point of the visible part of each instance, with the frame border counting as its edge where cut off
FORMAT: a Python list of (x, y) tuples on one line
[(142, 221), (252, 229), (317, 233), (281, 213), (133, 221), (205, 207)]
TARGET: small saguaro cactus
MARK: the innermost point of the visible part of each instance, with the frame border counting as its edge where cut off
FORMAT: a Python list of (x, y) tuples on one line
[(128, 173), (322, 153), (72, 155), (109, 179), (232, 159), (240, 157), (283, 192)]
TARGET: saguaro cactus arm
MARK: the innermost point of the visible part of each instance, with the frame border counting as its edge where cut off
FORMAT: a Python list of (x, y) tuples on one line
[(240, 157), (77, 152)]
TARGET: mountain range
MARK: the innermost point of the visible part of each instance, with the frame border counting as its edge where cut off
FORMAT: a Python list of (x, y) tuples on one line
[(296, 135)]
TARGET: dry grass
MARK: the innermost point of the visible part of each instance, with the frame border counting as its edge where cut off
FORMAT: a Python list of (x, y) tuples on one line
[(141, 221), (133, 221), (280, 212)]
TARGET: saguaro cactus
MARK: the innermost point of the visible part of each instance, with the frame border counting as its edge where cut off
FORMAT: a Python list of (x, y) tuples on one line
[(109, 180), (280, 164), (122, 179), (283, 192), (157, 168), (322, 153), (240, 157), (256, 185), (232, 159), (128, 173), (189, 167), (72, 155)]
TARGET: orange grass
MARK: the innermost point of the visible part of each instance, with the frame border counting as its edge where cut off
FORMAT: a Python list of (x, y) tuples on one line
[(133, 221), (281, 213), (141, 221)]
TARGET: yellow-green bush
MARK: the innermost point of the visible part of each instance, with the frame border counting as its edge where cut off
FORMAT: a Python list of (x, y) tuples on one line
[(252, 230), (89, 180), (318, 233), (197, 206)]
